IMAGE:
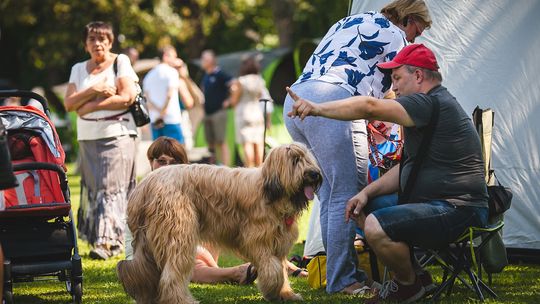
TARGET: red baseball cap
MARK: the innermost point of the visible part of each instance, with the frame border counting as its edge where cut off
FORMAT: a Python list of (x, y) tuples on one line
[(417, 55)]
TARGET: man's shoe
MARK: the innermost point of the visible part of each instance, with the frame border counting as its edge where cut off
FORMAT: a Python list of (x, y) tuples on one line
[(425, 278), (393, 291)]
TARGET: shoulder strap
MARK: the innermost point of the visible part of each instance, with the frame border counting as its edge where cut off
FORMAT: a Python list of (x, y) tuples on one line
[(115, 65), (421, 154)]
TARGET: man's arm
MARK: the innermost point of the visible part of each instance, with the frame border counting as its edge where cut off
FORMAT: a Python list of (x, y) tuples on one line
[(356, 107), (170, 93), (185, 94), (386, 184)]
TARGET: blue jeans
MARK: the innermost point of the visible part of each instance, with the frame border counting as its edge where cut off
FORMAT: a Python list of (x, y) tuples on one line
[(429, 224), (170, 130), (331, 142)]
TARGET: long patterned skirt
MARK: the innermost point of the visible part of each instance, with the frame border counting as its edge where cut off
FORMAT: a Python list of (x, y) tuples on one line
[(107, 178)]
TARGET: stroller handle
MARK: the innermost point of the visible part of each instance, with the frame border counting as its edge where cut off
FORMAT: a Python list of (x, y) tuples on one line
[(27, 94)]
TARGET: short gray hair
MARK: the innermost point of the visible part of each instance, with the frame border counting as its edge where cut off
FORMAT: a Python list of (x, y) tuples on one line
[(430, 74)]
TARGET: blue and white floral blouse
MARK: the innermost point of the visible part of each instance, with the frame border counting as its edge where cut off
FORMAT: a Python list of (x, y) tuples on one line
[(349, 53)]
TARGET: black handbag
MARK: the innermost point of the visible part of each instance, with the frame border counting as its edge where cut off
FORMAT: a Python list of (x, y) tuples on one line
[(500, 198), (138, 109)]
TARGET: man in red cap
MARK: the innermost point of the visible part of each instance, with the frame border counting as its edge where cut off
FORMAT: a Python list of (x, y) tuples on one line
[(445, 195)]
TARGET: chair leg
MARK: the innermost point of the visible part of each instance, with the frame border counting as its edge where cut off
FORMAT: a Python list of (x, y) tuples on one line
[(475, 280), (487, 288), (374, 266)]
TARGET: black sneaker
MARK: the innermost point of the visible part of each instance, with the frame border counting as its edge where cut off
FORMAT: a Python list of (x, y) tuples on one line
[(393, 291)]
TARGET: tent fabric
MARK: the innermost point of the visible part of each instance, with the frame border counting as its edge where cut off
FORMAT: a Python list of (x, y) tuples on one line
[(487, 51)]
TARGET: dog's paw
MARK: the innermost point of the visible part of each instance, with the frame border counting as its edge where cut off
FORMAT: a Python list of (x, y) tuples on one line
[(291, 296)]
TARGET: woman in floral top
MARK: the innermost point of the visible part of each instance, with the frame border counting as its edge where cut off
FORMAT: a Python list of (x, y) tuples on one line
[(343, 65)]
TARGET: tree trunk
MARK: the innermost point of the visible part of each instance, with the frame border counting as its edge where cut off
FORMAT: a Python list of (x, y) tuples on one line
[(283, 17), (195, 44)]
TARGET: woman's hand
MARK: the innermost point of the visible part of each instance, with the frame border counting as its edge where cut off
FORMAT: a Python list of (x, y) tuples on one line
[(102, 89), (86, 108), (355, 206), (302, 107)]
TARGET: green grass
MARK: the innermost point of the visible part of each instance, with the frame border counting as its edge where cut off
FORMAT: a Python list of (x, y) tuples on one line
[(517, 284)]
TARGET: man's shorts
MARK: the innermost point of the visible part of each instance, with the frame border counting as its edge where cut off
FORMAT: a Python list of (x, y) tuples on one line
[(215, 126), (429, 224), (170, 130)]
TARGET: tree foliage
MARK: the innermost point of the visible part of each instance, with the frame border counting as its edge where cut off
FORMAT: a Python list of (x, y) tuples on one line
[(41, 40)]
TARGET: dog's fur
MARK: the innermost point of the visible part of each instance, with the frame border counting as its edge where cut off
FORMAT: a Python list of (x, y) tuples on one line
[(250, 211)]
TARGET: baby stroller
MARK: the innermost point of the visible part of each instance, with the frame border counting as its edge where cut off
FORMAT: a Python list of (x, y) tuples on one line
[(37, 232)]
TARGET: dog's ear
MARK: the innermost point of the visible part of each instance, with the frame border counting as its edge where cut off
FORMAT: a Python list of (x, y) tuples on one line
[(272, 187)]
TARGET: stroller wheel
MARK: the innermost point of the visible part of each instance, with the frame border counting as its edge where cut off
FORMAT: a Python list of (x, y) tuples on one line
[(76, 293), (8, 297)]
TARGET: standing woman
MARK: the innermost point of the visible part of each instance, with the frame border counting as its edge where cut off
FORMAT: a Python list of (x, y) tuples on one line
[(249, 120), (106, 135), (344, 64)]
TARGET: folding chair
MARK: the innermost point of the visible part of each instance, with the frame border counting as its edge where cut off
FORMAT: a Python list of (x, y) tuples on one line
[(463, 257)]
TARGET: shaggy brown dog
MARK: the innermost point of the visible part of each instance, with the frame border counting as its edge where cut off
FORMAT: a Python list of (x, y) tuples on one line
[(250, 211)]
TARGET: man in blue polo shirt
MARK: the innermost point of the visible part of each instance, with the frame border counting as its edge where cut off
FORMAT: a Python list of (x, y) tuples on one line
[(215, 86)]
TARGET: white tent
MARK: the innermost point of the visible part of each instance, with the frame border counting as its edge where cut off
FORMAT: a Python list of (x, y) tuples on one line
[(487, 51)]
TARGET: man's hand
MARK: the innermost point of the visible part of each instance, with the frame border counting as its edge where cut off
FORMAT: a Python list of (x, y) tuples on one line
[(302, 107), (355, 206)]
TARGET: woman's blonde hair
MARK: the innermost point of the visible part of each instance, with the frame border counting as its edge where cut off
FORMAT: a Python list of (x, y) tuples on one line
[(400, 10)]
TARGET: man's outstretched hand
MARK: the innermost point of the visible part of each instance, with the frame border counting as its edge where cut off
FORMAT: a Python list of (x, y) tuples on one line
[(302, 107)]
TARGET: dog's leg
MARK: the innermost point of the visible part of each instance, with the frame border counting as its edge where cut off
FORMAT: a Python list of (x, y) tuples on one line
[(140, 275), (286, 292), (174, 282), (175, 254), (270, 277)]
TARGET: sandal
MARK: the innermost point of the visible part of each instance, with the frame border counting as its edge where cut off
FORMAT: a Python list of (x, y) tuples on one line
[(298, 273), (100, 253), (251, 275)]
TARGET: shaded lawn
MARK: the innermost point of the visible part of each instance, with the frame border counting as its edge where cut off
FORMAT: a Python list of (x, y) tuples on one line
[(517, 284)]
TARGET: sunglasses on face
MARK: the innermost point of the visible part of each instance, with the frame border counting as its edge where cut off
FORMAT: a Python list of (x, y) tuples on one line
[(166, 162)]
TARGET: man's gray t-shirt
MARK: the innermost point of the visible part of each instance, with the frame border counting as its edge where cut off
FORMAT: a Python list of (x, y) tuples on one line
[(453, 169)]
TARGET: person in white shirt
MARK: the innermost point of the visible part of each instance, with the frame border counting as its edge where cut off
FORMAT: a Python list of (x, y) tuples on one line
[(161, 86), (106, 133)]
